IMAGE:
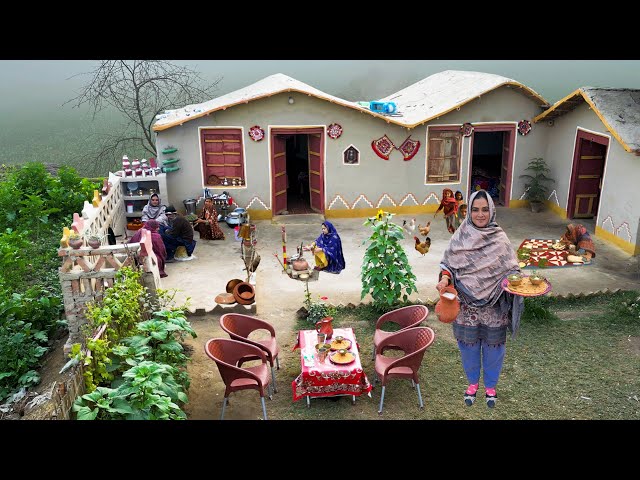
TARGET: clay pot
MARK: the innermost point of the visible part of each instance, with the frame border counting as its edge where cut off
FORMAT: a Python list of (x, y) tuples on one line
[(448, 306), (324, 326), (76, 243), (300, 264), (231, 284), (94, 242), (244, 293)]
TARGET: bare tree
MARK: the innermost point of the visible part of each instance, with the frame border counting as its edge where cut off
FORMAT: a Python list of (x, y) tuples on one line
[(139, 90)]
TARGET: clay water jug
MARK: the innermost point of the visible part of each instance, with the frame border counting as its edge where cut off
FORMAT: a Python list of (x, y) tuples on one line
[(448, 306), (324, 326)]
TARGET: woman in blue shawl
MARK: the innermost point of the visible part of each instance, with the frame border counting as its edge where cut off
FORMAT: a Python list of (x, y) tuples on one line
[(327, 250)]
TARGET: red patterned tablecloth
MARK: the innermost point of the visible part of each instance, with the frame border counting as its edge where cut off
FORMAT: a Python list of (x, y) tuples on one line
[(325, 379)]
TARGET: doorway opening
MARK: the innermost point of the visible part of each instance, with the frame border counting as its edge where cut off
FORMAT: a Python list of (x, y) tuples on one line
[(486, 163), (297, 164)]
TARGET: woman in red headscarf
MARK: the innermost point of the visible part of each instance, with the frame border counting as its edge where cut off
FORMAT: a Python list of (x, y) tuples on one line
[(156, 242), (578, 237)]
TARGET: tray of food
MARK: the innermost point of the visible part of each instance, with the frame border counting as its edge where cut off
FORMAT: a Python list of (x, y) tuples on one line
[(340, 342), (342, 357), (525, 288)]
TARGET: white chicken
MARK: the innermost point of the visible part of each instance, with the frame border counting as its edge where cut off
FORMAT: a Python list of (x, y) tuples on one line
[(409, 227)]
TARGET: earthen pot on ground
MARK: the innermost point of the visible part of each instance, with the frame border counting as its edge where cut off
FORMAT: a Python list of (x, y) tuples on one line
[(244, 293), (300, 264), (231, 284), (448, 306)]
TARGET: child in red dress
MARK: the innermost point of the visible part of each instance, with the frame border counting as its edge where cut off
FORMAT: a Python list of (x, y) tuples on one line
[(449, 207)]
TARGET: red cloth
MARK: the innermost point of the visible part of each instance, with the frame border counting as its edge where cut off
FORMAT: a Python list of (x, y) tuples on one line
[(158, 248), (326, 379)]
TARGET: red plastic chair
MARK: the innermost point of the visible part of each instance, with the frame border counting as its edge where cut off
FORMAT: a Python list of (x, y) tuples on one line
[(413, 342), (405, 317), (240, 327), (226, 353)]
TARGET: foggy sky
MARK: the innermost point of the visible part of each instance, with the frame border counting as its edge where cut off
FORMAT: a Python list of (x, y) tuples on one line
[(47, 84)]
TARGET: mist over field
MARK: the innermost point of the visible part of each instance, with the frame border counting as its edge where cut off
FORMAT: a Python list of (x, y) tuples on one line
[(36, 125)]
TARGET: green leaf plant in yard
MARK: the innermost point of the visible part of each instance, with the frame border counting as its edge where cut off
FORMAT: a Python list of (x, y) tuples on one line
[(386, 273)]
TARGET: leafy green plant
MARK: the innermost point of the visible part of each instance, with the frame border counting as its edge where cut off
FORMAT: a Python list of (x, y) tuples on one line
[(386, 272), (536, 189), (317, 310)]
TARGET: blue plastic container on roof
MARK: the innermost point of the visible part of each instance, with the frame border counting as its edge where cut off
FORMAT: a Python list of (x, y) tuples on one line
[(383, 107)]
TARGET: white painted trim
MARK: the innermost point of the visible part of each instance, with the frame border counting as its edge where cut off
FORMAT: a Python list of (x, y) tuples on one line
[(244, 157)]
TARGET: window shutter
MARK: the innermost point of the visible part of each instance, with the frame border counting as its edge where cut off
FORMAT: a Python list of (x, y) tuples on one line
[(222, 154), (443, 160)]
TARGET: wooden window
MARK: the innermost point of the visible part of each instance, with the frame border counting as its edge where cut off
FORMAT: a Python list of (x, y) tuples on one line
[(443, 159), (222, 155)]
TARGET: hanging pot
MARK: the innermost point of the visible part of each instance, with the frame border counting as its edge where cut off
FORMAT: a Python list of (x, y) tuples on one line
[(448, 306)]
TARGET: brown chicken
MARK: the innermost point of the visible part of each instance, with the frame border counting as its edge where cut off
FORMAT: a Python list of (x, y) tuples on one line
[(425, 230), (424, 246)]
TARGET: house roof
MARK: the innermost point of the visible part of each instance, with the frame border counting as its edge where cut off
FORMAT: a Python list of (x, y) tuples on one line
[(419, 103), (617, 108)]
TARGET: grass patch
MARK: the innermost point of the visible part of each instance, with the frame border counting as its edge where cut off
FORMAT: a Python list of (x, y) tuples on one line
[(572, 359)]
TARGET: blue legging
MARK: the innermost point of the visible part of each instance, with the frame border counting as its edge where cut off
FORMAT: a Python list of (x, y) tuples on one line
[(492, 358)]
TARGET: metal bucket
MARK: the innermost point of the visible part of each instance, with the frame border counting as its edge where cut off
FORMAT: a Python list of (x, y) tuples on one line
[(190, 205)]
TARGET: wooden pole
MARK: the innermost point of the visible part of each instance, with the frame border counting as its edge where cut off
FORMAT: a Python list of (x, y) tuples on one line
[(284, 247)]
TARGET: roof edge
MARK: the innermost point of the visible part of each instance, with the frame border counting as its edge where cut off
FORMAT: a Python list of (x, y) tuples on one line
[(580, 92), (542, 101)]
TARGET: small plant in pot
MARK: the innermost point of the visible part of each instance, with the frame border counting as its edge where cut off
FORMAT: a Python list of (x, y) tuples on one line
[(75, 240), (94, 241), (536, 183)]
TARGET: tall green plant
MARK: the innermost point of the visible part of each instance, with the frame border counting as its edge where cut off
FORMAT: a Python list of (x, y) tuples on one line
[(386, 272), (536, 188)]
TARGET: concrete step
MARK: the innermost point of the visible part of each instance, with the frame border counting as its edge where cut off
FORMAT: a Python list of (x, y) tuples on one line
[(298, 219)]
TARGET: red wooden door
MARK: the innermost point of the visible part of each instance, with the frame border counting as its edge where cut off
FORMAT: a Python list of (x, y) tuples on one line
[(316, 177), (588, 179), (588, 172), (279, 174), (505, 172)]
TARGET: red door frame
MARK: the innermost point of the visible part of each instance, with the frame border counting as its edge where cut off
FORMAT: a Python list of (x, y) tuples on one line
[(496, 127), (583, 135), (297, 130)]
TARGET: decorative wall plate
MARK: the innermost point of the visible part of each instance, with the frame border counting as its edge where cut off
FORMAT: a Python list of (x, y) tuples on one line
[(466, 130), (256, 133), (334, 131), (524, 127)]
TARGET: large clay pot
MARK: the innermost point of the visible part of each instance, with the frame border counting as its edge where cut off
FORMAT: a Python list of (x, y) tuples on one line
[(324, 326), (244, 293), (231, 284), (300, 264), (448, 306)]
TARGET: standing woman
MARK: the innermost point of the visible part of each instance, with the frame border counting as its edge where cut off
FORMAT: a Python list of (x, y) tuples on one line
[(207, 223), (327, 250), (154, 211), (478, 258)]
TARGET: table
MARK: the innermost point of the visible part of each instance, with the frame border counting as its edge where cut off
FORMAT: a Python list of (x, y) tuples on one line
[(324, 379)]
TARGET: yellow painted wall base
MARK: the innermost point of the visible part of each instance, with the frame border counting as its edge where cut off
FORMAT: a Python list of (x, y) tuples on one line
[(261, 214), (561, 212), (371, 212), (628, 247)]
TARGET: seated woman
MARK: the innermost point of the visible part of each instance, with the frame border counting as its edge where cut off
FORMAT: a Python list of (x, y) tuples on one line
[(154, 211), (207, 223), (579, 241), (179, 233), (327, 250), (156, 242)]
